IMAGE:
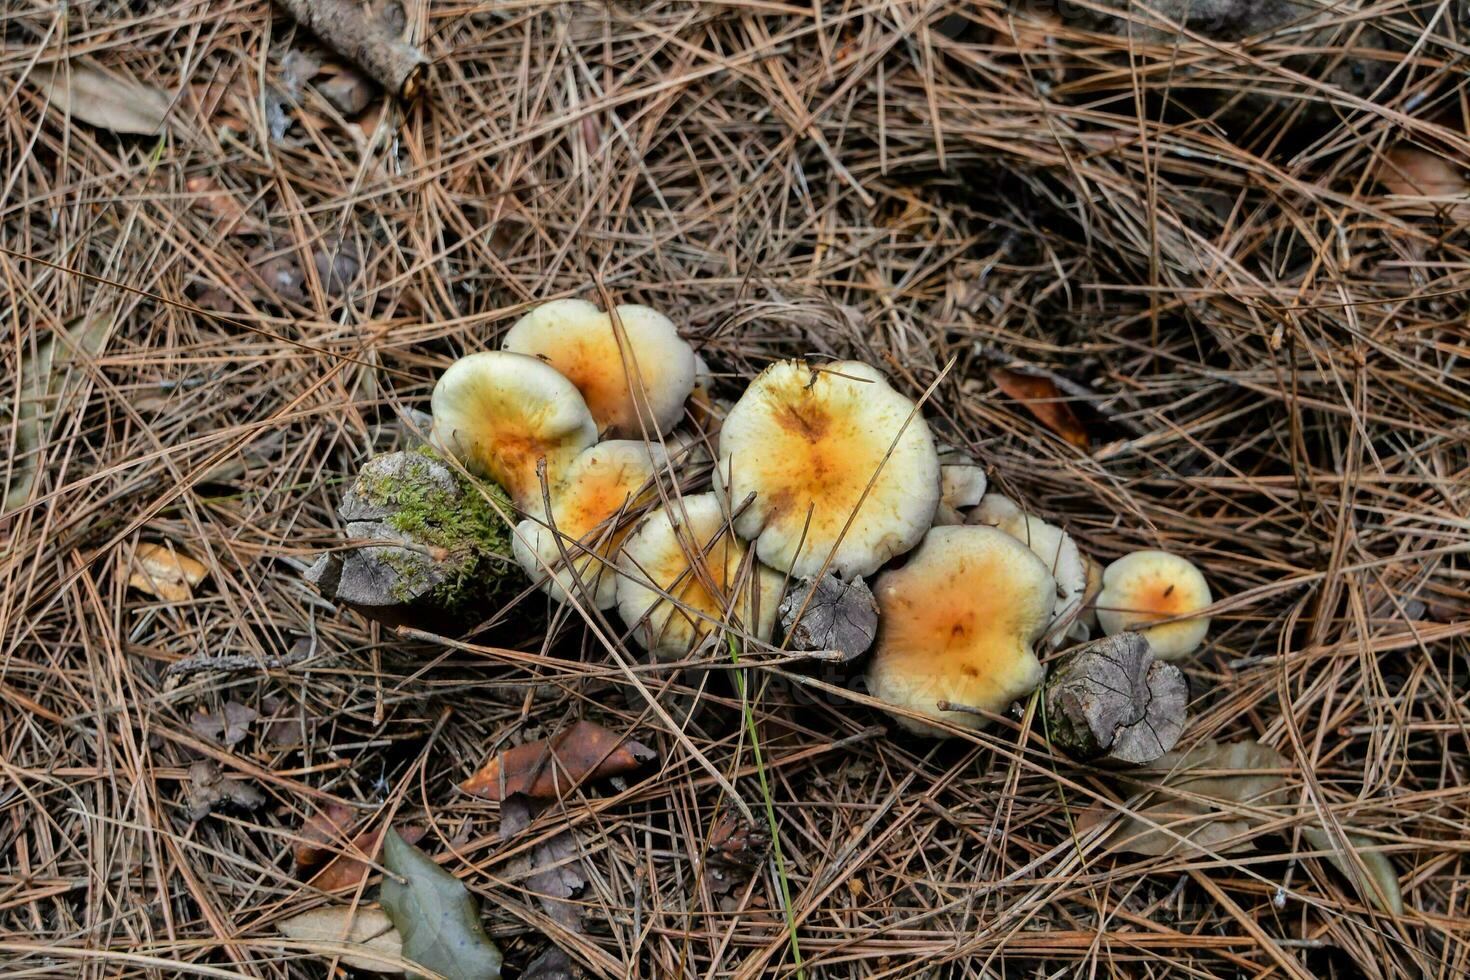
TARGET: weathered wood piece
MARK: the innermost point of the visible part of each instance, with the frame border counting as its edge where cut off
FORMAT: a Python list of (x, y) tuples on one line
[(830, 615), (1111, 700), (419, 534), (355, 33)]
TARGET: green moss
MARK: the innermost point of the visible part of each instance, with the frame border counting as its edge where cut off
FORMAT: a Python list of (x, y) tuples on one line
[(462, 521)]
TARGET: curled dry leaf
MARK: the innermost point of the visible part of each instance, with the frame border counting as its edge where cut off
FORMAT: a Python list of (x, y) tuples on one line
[(47, 380), (347, 870), (552, 871), (229, 725), (1413, 173), (329, 824), (548, 768), (1042, 399), (209, 788), (110, 100), (1227, 786), (362, 938), (166, 572), (1227, 779), (1380, 887)]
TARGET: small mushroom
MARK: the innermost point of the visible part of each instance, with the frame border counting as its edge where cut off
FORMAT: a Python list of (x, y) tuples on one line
[(701, 406), (1052, 545), (1148, 586), (962, 484), (600, 486), (839, 463), (957, 623), (1088, 619), (500, 413), (659, 558), (632, 367)]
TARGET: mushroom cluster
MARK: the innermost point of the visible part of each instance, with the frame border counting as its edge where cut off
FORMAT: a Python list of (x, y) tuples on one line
[(602, 427)]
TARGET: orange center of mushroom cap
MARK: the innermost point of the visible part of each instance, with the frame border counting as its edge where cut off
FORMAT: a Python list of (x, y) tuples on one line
[(596, 496), (1157, 598), (698, 607), (594, 362), (818, 458), (509, 455), (968, 623)]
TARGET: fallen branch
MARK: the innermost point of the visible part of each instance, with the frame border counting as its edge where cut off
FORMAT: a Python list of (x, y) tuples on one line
[(353, 32)]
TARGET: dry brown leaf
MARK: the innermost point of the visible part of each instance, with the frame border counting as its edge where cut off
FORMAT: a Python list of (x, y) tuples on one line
[(552, 871), (47, 382), (166, 572), (1413, 173), (1042, 399), (548, 768), (1229, 779), (336, 930), (206, 195), (330, 824), (1251, 776), (346, 870), (230, 725), (100, 98), (209, 788)]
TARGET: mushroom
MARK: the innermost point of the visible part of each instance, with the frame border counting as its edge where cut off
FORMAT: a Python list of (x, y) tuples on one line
[(839, 463), (961, 484), (1088, 618), (687, 448), (632, 367), (702, 399), (957, 623), (1051, 544), (1148, 586), (601, 485), (656, 562), (500, 412)]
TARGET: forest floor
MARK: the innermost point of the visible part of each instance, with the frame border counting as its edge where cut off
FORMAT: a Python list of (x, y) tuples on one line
[(1241, 268)]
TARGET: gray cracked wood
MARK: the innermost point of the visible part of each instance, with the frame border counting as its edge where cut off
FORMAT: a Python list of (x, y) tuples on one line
[(1111, 700), (834, 615)]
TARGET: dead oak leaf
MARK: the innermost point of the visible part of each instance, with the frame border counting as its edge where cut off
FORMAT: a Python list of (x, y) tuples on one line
[(328, 824), (229, 725), (1042, 399), (363, 938), (347, 870), (1428, 182), (549, 768)]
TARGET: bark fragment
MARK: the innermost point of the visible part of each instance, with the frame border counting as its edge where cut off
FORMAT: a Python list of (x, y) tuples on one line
[(1111, 700), (353, 32), (830, 615)]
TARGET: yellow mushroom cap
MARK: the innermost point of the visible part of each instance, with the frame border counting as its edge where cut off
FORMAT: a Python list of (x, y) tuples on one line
[(1147, 586), (581, 342), (656, 559), (806, 439), (1052, 545), (957, 623), (603, 483), (500, 412)]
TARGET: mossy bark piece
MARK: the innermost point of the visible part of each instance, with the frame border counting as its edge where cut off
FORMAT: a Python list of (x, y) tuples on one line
[(1111, 700), (427, 537), (830, 614)]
